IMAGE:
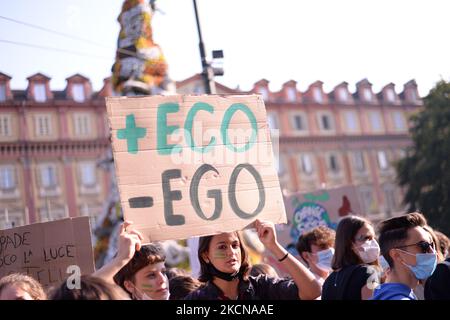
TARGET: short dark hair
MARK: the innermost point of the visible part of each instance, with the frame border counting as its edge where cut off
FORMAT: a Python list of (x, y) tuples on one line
[(394, 231), (26, 283), (346, 231), (444, 242), (181, 286), (321, 236), (203, 246), (149, 254), (92, 288)]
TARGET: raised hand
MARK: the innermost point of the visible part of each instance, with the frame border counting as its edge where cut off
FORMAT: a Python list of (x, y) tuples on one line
[(129, 242), (266, 233)]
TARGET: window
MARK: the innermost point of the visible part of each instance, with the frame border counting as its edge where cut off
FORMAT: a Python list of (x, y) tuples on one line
[(412, 95), (82, 124), (375, 121), (2, 92), (382, 160), (5, 125), (43, 125), (306, 164), (367, 94), (11, 218), (265, 94), (40, 94), (351, 121), (78, 92), (88, 174), (390, 94), (333, 164), (272, 120), (299, 123), (358, 161), (326, 121), (343, 95), (7, 178), (317, 95), (198, 89), (48, 176), (389, 198), (399, 121), (292, 94)]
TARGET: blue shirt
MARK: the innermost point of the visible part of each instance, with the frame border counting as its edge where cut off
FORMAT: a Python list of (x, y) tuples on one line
[(393, 291)]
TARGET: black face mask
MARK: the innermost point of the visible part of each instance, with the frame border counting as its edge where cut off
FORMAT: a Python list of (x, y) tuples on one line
[(222, 275)]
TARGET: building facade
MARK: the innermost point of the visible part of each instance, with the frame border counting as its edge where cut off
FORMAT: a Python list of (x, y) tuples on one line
[(341, 138), (51, 143)]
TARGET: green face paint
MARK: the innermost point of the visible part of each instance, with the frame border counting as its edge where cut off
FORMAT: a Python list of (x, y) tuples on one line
[(219, 255)]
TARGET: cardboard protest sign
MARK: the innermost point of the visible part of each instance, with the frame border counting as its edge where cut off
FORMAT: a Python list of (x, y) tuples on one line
[(306, 211), (194, 165), (45, 250)]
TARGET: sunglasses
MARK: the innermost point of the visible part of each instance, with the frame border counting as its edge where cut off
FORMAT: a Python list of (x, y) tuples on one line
[(423, 245)]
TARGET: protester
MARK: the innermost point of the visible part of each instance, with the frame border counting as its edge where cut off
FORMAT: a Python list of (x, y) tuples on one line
[(355, 262), (225, 269), (263, 268), (410, 251), (316, 248), (437, 286), (91, 288), (444, 244), (181, 286), (138, 269), (18, 286)]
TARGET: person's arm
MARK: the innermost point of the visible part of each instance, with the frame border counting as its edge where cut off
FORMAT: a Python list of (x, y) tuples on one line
[(308, 287), (129, 243)]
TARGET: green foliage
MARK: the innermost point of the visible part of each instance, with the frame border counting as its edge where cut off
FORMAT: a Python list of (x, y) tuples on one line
[(425, 171)]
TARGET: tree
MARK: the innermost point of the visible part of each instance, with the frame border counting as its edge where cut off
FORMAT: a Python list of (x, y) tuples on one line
[(425, 171)]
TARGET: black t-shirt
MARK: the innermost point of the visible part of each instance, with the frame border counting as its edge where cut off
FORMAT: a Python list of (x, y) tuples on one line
[(261, 287), (346, 284), (437, 286)]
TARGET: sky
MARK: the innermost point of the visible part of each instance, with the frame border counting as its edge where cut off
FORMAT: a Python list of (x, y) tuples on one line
[(329, 40)]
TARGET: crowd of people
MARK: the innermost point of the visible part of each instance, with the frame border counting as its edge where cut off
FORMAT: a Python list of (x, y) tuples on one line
[(404, 259)]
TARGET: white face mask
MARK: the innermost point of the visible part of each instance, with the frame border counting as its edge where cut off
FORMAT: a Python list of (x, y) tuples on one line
[(369, 251)]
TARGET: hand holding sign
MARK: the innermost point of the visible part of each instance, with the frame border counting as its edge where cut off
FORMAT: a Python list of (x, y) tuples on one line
[(129, 242)]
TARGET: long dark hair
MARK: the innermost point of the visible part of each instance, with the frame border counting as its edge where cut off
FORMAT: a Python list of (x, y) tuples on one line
[(203, 247), (347, 229)]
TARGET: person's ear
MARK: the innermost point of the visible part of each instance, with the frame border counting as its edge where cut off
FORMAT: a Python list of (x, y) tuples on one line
[(129, 286), (395, 255), (306, 256), (205, 257)]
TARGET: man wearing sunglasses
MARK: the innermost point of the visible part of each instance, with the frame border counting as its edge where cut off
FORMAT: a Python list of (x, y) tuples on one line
[(410, 252)]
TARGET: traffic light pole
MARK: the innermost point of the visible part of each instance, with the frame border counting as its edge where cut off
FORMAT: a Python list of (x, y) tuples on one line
[(207, 71)]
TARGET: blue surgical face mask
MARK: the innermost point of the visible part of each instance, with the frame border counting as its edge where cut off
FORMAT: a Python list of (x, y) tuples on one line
[(425, 264), (324, 258)]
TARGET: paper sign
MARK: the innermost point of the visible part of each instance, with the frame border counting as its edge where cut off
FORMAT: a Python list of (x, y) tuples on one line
[(194, 165), (45, 250)]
